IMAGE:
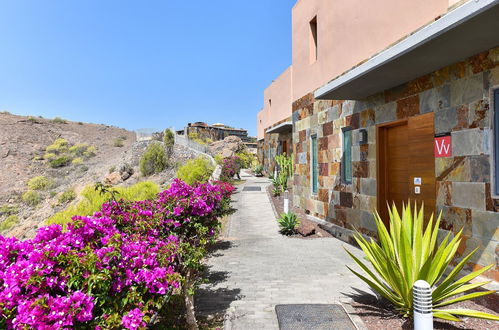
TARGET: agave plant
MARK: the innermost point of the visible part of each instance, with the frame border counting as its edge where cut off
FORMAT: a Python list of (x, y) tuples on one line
[(288, 223), (408, 251)]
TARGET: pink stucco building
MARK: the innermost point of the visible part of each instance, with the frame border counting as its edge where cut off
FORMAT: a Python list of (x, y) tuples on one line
[(373, 89)]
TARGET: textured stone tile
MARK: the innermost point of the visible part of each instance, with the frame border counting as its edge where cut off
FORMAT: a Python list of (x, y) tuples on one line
[(347, 108), (327, 128), (479, 114), (333, 112), (408, 107), (356, 153), (468, 195), (367, 118), (386, 113), (455, 218), (360, 169), (445, 120), (468, 142), (444, 193), (368, 186), (367, 221), (302, 158), (346, 199), (434, 99), (486, 224), (322, 117), (479, 168), (466, 90), (453, 169)]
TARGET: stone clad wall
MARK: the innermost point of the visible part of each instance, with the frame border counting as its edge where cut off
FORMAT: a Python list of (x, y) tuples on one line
[(459, 95), (268, 147)]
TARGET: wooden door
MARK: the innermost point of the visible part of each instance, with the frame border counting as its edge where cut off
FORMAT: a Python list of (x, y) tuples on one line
[(405, 152)]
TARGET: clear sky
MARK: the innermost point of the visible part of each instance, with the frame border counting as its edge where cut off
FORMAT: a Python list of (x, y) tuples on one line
[(142, 64)]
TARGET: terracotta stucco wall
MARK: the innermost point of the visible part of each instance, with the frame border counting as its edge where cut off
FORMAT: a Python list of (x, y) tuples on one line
[(351, 31), (459, 96)]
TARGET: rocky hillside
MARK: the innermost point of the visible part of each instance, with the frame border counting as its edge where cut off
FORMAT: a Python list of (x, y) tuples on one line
[(68, 156)]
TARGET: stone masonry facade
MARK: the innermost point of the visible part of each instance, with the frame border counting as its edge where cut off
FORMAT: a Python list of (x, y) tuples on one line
[(460, 97), (268, 148)]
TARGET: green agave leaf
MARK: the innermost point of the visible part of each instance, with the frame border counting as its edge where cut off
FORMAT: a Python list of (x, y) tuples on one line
[(448, 280), (448, 255), (434, 270), (465, 297), (417, 237), (379, 289), (466, 279), (426, 244), (472, 313), (434, 234), (464, 288), (368, 271), (444, 315)]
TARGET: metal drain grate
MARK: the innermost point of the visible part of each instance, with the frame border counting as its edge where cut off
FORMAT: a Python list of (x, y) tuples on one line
[(313, 317), (252, 188)]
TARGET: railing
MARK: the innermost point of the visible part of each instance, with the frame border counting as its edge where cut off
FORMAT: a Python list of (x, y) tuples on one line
[(186, 142), (202, 149)]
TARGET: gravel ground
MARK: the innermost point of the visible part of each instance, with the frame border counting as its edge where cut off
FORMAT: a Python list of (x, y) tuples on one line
[(308, 229)]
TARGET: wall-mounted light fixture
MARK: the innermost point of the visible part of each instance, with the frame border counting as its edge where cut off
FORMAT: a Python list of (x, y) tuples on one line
[(362, 136)]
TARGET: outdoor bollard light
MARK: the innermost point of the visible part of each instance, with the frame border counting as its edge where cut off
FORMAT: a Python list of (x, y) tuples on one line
[(422, 302), (286, 202)]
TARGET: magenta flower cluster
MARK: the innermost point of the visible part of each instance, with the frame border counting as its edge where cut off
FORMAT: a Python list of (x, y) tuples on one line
[(230, 167), (109, 270)]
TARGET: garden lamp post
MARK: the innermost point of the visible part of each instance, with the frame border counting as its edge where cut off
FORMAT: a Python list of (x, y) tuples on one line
[(286, 201), (422, 302)]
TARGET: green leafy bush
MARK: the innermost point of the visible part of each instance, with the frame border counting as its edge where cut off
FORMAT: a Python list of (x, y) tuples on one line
[(193, 136), (169, 140), (40, 183), (33, 120), (219, 159), (67, 196), (258, 170), (288, 222), (77, 161), (59, 120), (118, 142), (246, 159), (196, 170), (59, 146), (92, 200), (32, 198), (408, 251), (153, 160), (60, 162), (8, 223), (8, 210), (90, 152), (79, 149)]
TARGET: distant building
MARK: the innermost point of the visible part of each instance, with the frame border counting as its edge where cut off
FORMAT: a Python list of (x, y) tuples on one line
[(215, 132)]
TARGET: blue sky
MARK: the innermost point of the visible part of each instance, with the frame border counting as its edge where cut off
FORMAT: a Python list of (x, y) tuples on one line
[(142, 64)]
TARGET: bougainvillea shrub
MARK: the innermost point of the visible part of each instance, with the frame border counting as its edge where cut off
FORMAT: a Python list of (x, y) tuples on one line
[(110, 270), (230, 167)]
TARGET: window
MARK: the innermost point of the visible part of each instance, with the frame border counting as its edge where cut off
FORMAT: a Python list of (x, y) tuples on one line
[(315, 165), (346, 160), (313, 40), (496, 141), (270, 102)]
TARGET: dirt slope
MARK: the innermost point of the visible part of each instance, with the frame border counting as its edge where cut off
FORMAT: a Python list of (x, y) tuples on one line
[(23, 141)]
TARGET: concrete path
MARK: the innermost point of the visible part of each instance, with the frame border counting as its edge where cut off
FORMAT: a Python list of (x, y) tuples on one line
[(256, 268)]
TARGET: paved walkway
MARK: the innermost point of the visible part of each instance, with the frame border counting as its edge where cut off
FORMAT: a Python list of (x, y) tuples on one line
[(256, 268)]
